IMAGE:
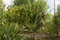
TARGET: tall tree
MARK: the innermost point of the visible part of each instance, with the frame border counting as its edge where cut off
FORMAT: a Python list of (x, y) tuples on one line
[(57, 19)]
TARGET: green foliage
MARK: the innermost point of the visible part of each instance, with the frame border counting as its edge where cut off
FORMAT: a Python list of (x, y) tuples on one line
[(57, 19), (27, 12)]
